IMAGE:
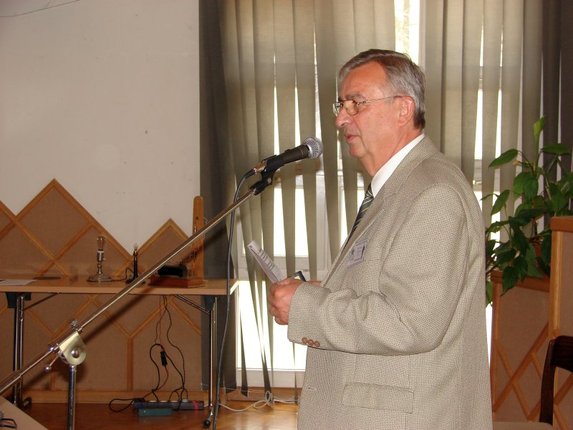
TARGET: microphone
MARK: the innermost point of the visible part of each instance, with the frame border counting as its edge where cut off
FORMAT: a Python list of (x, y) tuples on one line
[(310, 148)]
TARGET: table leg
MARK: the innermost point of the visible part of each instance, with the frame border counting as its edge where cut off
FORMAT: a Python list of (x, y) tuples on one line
[(213, 350), (16, 301), (210, 309), (211, 305)]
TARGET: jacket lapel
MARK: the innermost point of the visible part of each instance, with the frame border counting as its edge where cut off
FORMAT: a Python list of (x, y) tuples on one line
[(423, 150)]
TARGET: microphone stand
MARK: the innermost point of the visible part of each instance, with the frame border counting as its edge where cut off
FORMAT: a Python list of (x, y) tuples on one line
[(71, 348)]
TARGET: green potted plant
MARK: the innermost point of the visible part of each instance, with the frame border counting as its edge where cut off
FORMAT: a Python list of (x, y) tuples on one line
[(540, 192)]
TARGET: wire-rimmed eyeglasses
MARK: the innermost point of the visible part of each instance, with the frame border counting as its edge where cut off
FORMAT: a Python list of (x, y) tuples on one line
[(352, 107)]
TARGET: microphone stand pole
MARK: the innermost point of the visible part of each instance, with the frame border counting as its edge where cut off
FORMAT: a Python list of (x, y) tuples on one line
[(70, 347)]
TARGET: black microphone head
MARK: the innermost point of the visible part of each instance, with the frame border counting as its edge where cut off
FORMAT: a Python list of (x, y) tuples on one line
[(314, 145)]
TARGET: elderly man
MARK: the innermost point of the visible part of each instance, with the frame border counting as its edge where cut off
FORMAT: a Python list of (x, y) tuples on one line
[(396, 332)]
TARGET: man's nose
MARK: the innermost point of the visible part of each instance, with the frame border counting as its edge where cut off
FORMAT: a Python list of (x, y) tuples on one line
[(342, 118)]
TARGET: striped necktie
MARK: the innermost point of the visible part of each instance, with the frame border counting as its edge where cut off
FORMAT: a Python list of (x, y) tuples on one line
[(368, 197)]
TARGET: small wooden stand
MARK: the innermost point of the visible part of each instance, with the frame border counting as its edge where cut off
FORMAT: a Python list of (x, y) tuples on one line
[(194, 261)]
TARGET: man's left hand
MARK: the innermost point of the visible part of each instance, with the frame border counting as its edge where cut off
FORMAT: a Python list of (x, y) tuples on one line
[(280, 298)]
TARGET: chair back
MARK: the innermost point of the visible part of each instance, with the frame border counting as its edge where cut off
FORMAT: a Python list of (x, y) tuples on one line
[(559, 354)]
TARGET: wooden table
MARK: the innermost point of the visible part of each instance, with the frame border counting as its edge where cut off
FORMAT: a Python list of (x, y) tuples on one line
[(210, 289)]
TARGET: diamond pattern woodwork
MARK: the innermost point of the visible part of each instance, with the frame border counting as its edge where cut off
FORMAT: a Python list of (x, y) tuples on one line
[(55, 236), (522, 326)]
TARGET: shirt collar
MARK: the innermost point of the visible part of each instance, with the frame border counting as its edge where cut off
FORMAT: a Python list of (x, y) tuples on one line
[(388, 168)]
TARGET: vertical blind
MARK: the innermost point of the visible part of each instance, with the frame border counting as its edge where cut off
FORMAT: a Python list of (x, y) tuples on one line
[(278, 61)]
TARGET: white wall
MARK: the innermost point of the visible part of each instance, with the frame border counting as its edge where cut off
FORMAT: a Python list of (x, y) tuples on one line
[(102, 95)]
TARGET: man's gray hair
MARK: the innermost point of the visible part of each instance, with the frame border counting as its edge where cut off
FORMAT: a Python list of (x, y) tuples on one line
[(404, 76)]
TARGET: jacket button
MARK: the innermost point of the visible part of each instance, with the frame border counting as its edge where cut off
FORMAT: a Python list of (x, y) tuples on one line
[(305, 340), (316, 344)]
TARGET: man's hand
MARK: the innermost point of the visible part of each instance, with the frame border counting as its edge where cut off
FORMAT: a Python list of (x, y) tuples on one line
[(280, 297)]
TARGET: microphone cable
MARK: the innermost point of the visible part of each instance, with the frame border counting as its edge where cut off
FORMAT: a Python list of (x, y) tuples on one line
[(313, 148), (227, 311)]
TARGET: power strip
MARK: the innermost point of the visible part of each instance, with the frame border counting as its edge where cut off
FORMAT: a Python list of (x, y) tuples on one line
[(184, 405), (154, 412)]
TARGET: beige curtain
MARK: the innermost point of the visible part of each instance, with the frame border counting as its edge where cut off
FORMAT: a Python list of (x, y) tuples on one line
[(557, 69), (285, 54)]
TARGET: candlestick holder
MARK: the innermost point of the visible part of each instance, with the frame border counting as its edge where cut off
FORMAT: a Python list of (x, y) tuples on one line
[(100, 257)]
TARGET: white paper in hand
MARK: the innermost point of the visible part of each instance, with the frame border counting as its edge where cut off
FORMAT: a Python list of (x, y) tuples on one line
[(272, 271)]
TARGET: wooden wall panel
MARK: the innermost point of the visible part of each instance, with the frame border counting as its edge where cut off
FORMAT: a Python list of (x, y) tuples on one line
[(524, 320), (519, 342), (54, 235)]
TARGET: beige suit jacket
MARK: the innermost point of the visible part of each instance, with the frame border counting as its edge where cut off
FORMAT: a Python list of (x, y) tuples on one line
[(396, 333)]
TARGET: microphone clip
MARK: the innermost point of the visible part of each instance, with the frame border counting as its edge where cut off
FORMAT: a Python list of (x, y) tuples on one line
[(264, 182)]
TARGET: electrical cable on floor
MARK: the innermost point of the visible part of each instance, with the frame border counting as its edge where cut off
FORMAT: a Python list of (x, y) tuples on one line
[(180, 392), (269, 400), (157, 387)]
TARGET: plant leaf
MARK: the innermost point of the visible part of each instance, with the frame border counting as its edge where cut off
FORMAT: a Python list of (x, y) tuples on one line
[(557, 149), (546, 253), (488, 292), (558, 202), (504, 158), (526, 184), (494, 227), (522, 263), (566, 183), (489, 246), (537, 129), (520, 242), (523, 216), (504, 254), (534, 271), (500, 202), (509, 277)]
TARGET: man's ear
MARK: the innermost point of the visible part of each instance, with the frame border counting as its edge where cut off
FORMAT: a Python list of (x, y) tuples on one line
[(407, 108)]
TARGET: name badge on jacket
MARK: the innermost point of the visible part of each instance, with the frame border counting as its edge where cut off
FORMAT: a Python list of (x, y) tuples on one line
[(356, 254)]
